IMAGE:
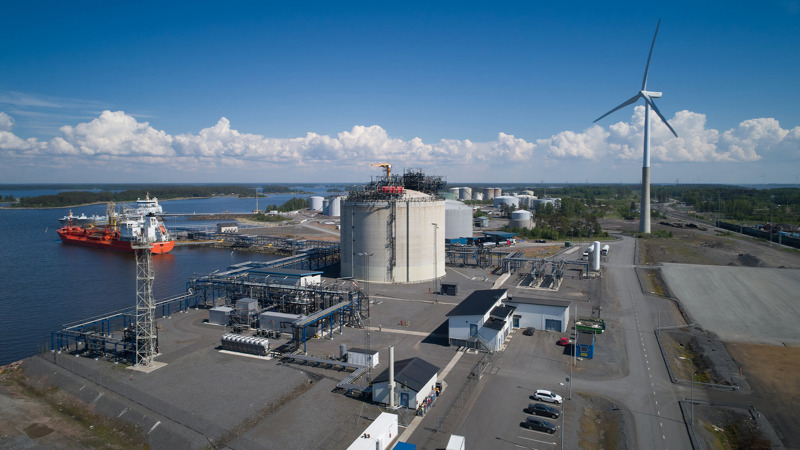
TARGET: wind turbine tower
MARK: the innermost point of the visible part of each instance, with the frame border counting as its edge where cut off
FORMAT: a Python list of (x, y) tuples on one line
[(648, 96)]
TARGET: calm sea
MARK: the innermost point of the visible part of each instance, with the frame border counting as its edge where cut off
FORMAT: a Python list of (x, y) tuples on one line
[(45, 284)]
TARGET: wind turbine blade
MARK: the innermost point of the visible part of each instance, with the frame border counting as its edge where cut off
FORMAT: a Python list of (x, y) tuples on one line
[(650, 55), (630, 101), (655, 108)]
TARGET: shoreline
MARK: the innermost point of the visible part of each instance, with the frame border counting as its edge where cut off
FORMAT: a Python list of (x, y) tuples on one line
[(27, 208)]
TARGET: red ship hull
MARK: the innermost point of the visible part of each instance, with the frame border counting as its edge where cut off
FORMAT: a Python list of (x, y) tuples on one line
[(106, 239)]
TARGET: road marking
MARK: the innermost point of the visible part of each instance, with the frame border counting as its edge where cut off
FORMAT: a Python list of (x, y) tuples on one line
[(154, 427), (534, 440)]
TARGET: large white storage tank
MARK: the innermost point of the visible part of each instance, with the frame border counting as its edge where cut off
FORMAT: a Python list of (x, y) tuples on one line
[(506, 200), (498, 192), (458, 220), (335, 207), (540, 202), (456, 191), (488, 193), (520, 219), (466, 193), (393, 240), (315, 203), (526, 201)]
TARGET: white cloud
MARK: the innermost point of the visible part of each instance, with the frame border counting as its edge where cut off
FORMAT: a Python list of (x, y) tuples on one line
[(6, 122), (591, 144), (121, 138), (116, 134)]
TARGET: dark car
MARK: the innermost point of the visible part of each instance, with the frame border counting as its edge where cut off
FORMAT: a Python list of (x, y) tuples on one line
[(540, 409), (528, 331), (539, 424)]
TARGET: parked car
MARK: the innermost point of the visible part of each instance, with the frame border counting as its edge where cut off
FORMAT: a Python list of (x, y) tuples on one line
[(539, 424), (540, 409), (547, 396), (528, 331), (563, 342)]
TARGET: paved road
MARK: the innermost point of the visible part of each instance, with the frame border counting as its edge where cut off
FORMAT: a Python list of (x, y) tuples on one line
[(646, 390)]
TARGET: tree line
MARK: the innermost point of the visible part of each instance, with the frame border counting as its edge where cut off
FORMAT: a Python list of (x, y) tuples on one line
[(163, 192)]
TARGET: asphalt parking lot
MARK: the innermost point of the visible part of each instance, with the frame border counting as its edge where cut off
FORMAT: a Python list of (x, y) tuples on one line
[(527, 364)]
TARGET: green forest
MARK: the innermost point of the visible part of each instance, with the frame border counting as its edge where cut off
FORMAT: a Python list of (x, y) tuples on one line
[(162, 192)]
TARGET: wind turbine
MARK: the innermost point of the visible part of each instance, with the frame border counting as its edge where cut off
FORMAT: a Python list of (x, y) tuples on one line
[(648, 96)]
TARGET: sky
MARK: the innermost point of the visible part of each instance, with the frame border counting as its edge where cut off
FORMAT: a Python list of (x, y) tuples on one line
[(303, 91)]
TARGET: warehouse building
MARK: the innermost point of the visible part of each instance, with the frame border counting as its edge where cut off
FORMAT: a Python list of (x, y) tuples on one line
[(541, 314)]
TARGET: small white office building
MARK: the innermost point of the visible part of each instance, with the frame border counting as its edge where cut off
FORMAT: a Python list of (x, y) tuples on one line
[(480, 320)]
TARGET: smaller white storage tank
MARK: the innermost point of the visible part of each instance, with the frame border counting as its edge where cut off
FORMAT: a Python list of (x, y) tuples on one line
[(315, 203), (335, 207), (520, 219), (457, 220), (456, 191), (488, 193), (498, 192), (466, 193), (326, 207), (506, 200), (477, 195)]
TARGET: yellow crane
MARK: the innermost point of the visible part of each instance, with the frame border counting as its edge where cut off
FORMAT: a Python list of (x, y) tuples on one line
[(386, 166)]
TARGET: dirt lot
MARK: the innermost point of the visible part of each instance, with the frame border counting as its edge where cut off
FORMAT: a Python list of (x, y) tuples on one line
[(33, 416), (603, 424)]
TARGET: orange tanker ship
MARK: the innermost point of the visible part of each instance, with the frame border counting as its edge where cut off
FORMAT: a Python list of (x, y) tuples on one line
[(121, 237)]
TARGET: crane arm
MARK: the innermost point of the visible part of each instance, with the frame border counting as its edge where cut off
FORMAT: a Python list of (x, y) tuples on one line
[(386, 166)]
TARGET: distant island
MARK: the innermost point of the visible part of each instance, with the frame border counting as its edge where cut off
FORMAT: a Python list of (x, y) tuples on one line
[(162, 192)]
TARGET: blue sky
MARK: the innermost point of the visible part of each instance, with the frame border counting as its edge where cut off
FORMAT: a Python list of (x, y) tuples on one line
[(298, 91)]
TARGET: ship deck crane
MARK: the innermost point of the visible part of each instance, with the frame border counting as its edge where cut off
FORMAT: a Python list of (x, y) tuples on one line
[(387, 167)]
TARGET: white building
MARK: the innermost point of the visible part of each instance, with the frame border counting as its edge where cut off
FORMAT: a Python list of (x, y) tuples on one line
[(541, 314), (414, 379), (379, 435), (228, 227), (480, 320), (363, 357)]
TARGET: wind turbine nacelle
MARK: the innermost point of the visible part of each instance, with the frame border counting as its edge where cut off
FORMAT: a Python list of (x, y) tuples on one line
[(652, 94)]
